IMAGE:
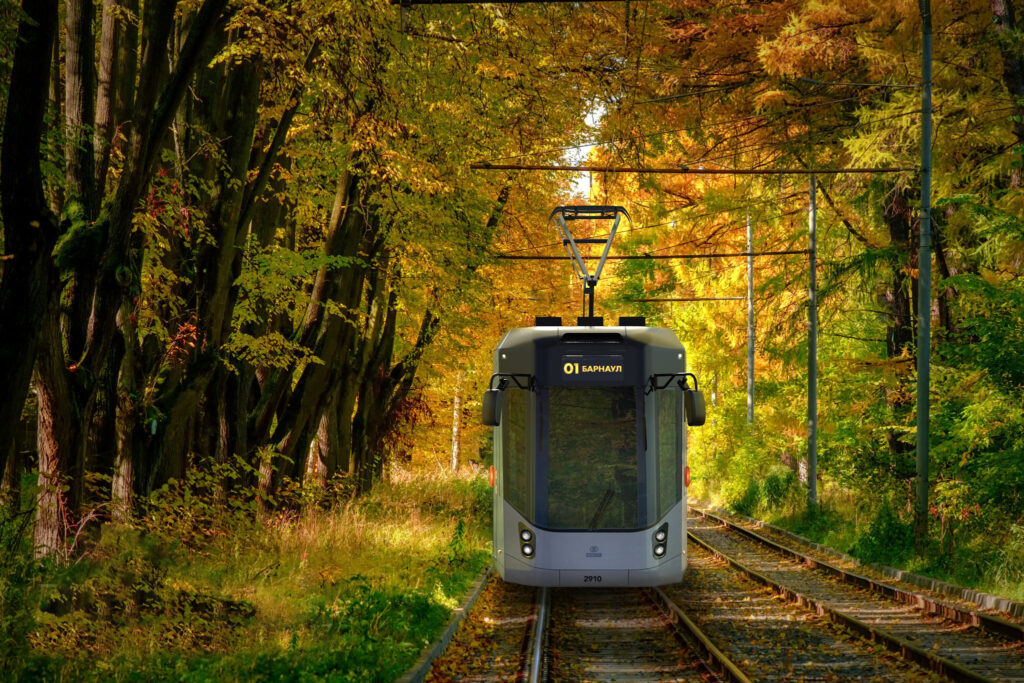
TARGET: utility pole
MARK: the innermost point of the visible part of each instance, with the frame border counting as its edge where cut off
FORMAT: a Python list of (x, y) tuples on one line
[(812, 355), (750, 322), (924, 282), (456, 421)]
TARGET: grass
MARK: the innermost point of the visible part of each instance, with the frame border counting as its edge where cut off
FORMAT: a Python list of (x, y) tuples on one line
[(987, 557), (350, 592)]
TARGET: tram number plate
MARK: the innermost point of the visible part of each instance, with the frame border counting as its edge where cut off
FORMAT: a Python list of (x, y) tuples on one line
[(594, 577)]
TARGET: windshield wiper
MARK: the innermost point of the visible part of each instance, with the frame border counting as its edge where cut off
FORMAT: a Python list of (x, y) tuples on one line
[(601, 507)]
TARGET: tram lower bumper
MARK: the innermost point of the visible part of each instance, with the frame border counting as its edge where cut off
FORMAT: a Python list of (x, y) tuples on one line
[(666, 572)]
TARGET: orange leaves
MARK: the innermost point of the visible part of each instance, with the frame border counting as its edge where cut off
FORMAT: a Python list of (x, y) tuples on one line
[(183, 343), (819, 38)]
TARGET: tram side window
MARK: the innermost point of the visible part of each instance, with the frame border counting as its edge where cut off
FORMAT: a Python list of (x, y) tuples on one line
[(592, 459), (515, 452), (670, 487)]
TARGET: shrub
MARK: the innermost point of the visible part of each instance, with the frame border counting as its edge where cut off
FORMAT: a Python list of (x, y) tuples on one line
[(888, 539), (1008, 566), (748, 502), (21, 581), (777, 486)]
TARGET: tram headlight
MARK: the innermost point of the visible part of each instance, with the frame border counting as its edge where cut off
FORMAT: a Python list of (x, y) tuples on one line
[(526, 535), (528, 550), (659, 550), (660, 536)]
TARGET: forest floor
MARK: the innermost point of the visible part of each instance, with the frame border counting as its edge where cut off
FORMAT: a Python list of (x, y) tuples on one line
[(349, 591)]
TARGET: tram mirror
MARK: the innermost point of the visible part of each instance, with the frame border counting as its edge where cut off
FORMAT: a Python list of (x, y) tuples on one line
[(490, 408), (693, 403)]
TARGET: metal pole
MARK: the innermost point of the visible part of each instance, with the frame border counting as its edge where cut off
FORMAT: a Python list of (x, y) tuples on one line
[(812, 354), (924, 282), (750, 322)]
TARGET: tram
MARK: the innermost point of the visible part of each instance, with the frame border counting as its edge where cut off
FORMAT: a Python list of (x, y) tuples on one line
[(589, 469)]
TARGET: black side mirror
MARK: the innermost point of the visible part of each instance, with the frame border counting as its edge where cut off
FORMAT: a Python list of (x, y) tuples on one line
[(693, 404), (490, 408)]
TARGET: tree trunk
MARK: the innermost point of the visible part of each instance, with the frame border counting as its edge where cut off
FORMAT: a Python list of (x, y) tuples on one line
[(55, 191), (30, 230), (10, 485), (79, 105), (901, 336), (343, 418), (104, 93), (327, 436), (127, 421), (1008, 40), (60, 440)]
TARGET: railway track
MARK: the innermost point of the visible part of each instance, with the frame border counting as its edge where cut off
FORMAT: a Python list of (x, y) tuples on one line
[(748, 607), (773, 639), (952, 641), (580, 635)]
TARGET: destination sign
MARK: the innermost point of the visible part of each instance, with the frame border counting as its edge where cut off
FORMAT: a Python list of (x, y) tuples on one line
[(593, 367)]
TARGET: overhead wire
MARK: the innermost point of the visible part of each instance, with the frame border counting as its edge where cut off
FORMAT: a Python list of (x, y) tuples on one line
[(659, 225), (666, 131)]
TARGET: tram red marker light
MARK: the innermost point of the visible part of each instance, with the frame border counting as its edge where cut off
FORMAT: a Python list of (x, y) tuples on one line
[(491, 475), (686, 476)]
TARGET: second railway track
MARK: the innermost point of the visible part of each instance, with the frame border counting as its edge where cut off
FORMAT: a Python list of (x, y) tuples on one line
[(956, 643)]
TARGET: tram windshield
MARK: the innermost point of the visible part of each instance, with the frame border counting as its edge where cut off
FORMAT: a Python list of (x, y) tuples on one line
[(593, 460)]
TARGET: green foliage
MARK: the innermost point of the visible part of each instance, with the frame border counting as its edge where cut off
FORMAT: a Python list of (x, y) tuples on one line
[(198, 589), (1008, 566), (82, 242), (888, 538), (749, 501), (375, 630), (778, 485), (22, 580)]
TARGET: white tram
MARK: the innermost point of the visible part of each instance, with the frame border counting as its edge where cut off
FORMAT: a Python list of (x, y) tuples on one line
[(590, 453)]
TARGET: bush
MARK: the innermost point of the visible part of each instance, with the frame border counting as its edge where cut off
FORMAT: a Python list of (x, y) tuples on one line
[(749, 501), (888, 539), (1009, 563), (21, 580), (777, 486)]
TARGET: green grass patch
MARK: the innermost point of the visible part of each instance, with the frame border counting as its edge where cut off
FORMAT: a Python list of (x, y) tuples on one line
[(350, 591), (981, 554)]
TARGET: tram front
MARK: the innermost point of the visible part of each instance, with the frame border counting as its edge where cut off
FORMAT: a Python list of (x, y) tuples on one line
[(590, 454)]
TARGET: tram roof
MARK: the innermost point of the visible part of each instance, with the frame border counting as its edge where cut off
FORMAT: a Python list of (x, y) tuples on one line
[(648, 336)]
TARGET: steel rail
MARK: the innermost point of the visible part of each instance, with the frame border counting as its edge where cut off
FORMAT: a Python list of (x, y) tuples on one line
[(713, 658), (905, 649), (535, 673), (986, 622), (909, 651)]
